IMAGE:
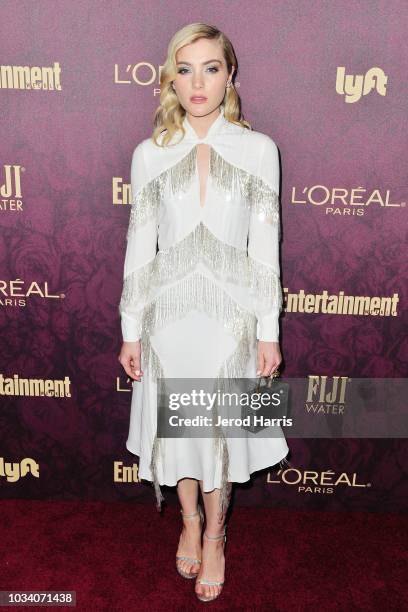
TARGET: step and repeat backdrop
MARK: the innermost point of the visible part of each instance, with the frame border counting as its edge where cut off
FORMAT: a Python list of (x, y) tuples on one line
[(79, 83)]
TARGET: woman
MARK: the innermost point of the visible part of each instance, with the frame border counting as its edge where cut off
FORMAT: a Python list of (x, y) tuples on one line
[(206, 304)]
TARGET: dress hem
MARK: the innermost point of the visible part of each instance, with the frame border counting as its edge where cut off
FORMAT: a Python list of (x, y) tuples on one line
[(257, 469)]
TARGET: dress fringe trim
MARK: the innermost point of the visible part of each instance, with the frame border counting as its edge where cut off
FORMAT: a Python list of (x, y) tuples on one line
[(145, 203), (226, 262), (258, 196), (284, 462), (233, 367), (256, 193), (198, 291)]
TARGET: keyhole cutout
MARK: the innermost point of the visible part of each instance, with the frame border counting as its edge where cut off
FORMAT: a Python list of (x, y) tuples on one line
[(203, 164)]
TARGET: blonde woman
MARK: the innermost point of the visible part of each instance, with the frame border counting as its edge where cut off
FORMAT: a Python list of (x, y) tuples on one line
[(201, 293)]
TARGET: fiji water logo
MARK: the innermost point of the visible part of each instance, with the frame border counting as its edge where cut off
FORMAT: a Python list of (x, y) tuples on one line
[(11, 186), (326, 394)]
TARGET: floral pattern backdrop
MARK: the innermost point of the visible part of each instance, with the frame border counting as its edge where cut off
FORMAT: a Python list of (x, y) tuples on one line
[(66, 152)]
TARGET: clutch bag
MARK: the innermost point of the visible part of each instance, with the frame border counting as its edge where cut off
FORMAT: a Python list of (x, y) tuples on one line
[(273, 405)]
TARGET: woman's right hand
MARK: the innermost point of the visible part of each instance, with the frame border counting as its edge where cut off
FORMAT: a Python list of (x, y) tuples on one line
[(129, 357)]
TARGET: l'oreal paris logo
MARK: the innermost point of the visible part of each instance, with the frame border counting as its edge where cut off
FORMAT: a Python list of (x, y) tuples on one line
[(12, 472), (12, 290), (313, 481), (142, 73), (343, 201), (354, 86)]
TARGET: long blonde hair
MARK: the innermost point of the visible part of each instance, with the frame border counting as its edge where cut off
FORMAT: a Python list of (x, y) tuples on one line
[(169, 115)]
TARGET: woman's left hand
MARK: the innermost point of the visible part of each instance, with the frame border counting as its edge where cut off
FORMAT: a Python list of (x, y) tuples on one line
[(269, 358)]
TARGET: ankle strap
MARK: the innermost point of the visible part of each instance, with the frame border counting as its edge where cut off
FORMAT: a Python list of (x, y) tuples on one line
[(218, 537), (187, 516)]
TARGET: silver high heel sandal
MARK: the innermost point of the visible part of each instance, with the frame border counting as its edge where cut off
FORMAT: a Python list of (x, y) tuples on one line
[(212, 582), (183, 557)]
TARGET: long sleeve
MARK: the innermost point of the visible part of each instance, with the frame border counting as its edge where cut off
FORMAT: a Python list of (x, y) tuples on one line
[(141, 247), (263, 245)]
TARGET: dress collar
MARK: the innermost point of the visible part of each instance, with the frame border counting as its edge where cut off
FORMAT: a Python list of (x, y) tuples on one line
[(214, 129)]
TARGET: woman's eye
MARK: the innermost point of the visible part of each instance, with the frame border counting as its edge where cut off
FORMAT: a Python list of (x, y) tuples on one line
[(213, 69)]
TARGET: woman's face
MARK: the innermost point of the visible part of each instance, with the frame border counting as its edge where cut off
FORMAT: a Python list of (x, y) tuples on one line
[(201, 76)]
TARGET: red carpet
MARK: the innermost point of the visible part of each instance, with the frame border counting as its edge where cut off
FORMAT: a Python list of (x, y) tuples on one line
[(121, 557)]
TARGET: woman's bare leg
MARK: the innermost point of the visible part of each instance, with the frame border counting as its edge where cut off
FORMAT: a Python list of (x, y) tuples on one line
[(190, 538), (213, 560)]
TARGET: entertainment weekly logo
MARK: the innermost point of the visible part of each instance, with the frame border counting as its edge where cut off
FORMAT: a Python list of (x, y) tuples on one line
[(19, 386), (325, 482), (341, 303), (125, 474), (44, 78)]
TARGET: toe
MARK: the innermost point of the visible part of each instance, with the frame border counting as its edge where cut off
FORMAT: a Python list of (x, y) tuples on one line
[(195, 568), (198, 588)]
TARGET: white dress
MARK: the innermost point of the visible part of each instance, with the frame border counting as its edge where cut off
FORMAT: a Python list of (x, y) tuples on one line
[(201, 285)]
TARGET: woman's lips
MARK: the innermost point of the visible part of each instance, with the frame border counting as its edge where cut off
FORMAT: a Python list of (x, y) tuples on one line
[(198, 99)]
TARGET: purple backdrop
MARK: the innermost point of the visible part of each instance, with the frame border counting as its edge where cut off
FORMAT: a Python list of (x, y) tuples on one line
[(327, 81)]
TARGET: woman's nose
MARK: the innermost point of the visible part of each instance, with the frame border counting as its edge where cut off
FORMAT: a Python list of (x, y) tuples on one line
[(197, 80)]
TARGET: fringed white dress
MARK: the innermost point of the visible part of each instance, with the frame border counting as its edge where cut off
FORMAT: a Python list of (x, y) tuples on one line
[(201, 285)]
